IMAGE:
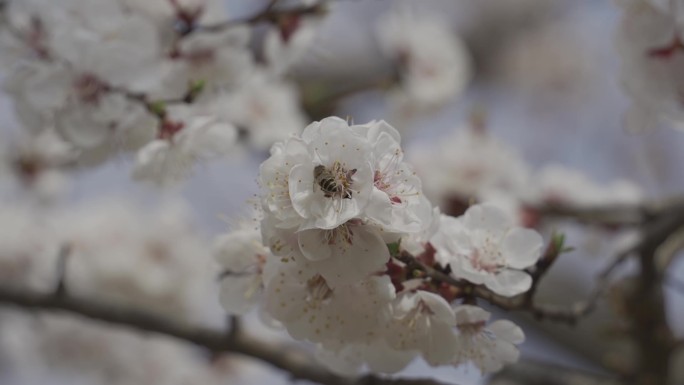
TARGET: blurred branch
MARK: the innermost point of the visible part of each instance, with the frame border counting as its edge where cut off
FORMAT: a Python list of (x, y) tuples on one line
[(298, 364), (62, 261), (534, 373), (610, 216), (646, 303), (270, 14)]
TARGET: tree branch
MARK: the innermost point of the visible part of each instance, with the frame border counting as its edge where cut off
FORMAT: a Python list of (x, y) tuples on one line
[(297, 363), (611, 216), (268, 14), (534, 373), (646, 304)]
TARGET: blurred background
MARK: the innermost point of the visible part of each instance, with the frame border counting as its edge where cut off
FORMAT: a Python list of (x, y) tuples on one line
[(544, 79)]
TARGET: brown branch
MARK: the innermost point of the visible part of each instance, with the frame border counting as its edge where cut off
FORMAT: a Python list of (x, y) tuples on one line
[(297, 364), (525, 302), (646, 303), (612, 216), (269, 14), (537, 373)]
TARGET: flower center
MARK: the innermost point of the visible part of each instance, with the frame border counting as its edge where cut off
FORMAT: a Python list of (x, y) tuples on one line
[(317, 289), (334, 182), (89, 88), (486, 257), (393, 179), (341, 234)]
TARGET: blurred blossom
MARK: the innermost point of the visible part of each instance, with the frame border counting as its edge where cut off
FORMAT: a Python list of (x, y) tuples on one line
[(48, 347), (188, 136), (432, 63), (148, 260), (370, 255), (468, 164), (561, 185), (650, 44)]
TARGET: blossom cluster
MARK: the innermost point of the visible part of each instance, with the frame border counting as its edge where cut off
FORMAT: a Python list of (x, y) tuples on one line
[(116, 254), (110, 251), (153, 77), (40, 348), (340, 208)]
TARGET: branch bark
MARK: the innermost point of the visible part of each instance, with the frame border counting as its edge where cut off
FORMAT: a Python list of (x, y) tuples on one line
[(297, 364), (646, 304), (613, 216), (534, 373)]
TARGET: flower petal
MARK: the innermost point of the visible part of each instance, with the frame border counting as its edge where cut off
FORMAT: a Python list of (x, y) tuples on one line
[(488, 218), (521, 248), (509, 282), (349, 263), (507, 331)]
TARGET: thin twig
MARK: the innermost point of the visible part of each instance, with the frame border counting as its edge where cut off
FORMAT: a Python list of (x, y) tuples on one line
[(616, 215), (268, 14)]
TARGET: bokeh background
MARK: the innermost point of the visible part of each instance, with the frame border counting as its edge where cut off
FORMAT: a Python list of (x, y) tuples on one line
[(547, 74)]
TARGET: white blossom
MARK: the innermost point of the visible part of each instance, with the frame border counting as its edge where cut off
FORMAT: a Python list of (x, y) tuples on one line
[(424, 322), (149, 260), (335, 184), (286, 43), (88, 116), (433, 62), (650, 45), (485, 247), (397, 202), (561, 185), (488, 346), (242, 257), (47, 348), (469, 164), (29, 248), (345, 254), (185, 139), (310, 309), (34, 165), (266, 109), (349, 358)]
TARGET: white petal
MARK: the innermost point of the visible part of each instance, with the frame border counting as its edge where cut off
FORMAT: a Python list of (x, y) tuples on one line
[(509, 282), (238, 250), (314, 129), (313, 244), (440, 308), (374, 129), (379, 208), (521, 248), (366, 255), (507, 331), (468, 314), (239, 293), (301, 181), (498, 354), (442, 344), (488, 218)]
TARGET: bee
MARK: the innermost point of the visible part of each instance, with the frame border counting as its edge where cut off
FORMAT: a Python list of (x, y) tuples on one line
[(330, 183)]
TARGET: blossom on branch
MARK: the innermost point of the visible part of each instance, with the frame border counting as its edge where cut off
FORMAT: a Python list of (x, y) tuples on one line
[(485, 247), (339, 207)]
